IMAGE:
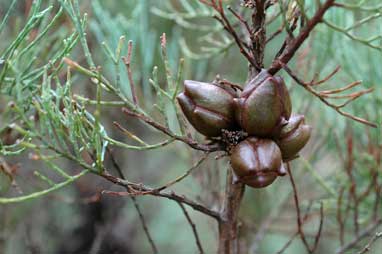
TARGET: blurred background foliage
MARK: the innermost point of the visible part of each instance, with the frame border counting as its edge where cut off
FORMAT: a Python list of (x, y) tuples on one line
[(36, 35)]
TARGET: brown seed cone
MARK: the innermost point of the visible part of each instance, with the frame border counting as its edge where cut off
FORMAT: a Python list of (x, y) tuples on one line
[(264, 106), (208, 107), (257, 162), (293, 137)]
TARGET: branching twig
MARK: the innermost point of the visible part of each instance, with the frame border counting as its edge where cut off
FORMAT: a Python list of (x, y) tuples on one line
[(321, 224), (295, 43), (189, 141), (165, 186), (316, 82), (372, 240), (136, 205), (170, 195), (241, 19), (299, 218), (217, 5), (361, 236), (288, 243), (337, 108)]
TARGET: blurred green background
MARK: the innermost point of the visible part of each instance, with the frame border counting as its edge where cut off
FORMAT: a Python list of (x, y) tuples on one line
[(74, 220)]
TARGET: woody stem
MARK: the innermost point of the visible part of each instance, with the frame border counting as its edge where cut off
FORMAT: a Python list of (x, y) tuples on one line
[(228, 225)]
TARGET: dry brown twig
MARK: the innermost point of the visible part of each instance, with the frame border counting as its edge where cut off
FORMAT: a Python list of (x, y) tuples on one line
[(366, 232), (127, 62), (276, 33), (300, 219), (325, 95), (188, 140), (294, 44), (339, 216), (217, 5), (371, 242), (241, 20), (193, 227), (169, 195), (288, 243), (163, 187), (354, 196), (135, 203)]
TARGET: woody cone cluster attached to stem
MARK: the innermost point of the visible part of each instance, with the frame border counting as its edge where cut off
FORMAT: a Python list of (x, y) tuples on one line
[(263, 110)]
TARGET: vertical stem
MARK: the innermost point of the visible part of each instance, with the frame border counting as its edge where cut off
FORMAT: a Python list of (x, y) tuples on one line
[(228, 225), (127, 61), (259, 34), (258, 37)]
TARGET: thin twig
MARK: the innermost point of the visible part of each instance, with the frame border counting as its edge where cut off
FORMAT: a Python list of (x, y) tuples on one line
[(217, 5), (127, 61), (129, 134), (294, 44), (300, 220), (353, 184), (274, 34), (165, 186), (339, 218), (353, 243), (377, 203), (288, 243), (297, 203), (228, 225), (135, 202), (187, 173), (189, 141), (317, 94), (169, 195), (315, 82), (192, 224), (318, 235), (370, 243), (241, 19), (373, 183)]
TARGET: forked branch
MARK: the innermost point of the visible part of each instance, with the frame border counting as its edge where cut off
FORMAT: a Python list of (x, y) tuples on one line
[(169, 195), (189, 141), (217, 5), (300, 220), (329, 94)]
